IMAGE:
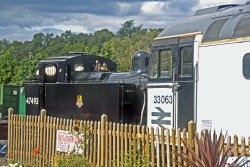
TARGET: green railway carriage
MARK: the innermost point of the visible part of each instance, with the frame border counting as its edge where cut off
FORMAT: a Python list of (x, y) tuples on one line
[(12, 96)]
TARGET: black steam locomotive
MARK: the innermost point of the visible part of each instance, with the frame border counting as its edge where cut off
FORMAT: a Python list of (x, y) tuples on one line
[(84, 86)]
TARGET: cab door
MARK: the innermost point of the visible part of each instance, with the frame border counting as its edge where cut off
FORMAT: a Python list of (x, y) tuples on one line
[(172, 83), (186, 84), (161, 87)]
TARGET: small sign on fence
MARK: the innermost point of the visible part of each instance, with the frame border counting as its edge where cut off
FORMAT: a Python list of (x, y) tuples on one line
[(64, 140), (68, 142)]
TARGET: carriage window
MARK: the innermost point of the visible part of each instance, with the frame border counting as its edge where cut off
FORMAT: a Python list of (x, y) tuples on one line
[(78, 67), (50, 70), (246, 66), (186, 60), (166, 63), (154, 65), (37, 72)]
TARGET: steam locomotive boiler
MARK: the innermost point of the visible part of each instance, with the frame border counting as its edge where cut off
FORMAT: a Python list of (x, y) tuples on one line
[(84, 86)]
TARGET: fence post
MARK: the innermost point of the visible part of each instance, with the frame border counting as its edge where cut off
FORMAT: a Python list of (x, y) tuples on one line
[(43, 113), (42, 128), (104, 120), (10, 112), (191, 132)]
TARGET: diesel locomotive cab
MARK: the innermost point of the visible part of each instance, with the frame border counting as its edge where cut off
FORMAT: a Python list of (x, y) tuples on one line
[(173, 81), (83, 86)]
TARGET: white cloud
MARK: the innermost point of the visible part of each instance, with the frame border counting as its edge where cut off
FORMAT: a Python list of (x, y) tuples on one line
[(20, 21), (62, 27), (153, 7), (73, 28), (123, 7)]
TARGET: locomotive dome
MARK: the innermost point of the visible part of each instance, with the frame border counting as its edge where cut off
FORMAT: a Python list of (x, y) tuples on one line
[(215, 23), (140, 61)]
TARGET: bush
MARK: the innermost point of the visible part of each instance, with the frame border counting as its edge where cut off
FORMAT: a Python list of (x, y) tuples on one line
[(72, 161), (74, 158), (211, 153)]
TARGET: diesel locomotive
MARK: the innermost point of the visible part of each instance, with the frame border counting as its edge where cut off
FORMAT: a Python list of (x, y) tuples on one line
[(200, 70)]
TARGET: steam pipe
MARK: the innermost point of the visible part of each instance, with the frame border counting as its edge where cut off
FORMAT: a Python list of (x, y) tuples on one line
[(143, 87)]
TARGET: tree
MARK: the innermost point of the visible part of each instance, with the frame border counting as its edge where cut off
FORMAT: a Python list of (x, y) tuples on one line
[(26, 69), (101, 37), (38, 40), (18, 60), (68, 37), (128, 29), (7, 64), (107, 50)]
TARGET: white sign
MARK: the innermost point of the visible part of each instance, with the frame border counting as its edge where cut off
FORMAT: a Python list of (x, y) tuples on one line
[(67, 142), (64, 140), (206, 125), (160, 107)]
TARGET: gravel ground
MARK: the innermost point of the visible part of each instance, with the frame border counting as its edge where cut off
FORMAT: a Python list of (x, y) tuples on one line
[(3, 162)]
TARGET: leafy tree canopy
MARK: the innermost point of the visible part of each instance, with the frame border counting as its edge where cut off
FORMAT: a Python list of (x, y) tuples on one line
[(18, 60), (128, 29)]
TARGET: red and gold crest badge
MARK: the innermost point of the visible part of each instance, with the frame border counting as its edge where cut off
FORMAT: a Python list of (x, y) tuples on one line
[(79, 102)]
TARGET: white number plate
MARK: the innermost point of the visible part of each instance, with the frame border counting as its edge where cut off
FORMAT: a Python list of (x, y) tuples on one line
[(32, 100), (160, 107)]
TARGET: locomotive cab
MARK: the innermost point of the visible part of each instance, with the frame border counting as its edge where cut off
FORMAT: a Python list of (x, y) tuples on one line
[(73, 68)]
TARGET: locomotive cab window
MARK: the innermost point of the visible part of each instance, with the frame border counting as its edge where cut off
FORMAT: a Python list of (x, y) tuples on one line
[(37, 72), (166, 63), (186, 62), (246, 66), (78, 67), (153, 73), (50, 70), (50, 73)]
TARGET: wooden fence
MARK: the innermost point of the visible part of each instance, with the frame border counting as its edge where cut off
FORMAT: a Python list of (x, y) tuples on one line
[(111, 144)]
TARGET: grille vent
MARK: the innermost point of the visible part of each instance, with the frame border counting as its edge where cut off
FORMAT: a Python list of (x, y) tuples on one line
[(242, 28), (213, 31)]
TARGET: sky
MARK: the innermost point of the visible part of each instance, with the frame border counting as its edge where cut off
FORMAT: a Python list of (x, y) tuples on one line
[(21, 19)]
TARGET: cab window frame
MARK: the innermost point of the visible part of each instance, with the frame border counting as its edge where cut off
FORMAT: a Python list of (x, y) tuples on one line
[(156, 52), (154, 58), (184, 65), (161, 64), (191, 77)]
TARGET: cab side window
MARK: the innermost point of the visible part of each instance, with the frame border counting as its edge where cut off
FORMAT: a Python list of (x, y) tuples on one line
[(186, 62), (246, 66), (153, 73), (166, 63)]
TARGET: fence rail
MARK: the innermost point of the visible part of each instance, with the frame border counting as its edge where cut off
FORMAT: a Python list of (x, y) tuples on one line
[(109, 142)]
